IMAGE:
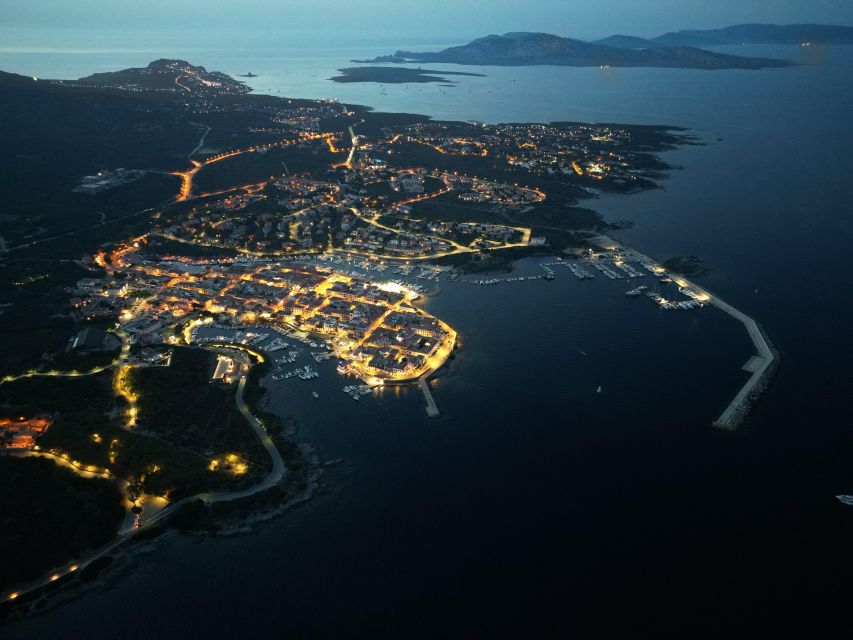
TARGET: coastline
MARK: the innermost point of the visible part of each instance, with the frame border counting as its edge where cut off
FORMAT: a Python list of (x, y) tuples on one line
[(128, 535), (121, 555), (731, 419), (762, 366)]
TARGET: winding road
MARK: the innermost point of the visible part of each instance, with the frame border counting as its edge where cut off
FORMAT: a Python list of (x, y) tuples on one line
[(275, 475)]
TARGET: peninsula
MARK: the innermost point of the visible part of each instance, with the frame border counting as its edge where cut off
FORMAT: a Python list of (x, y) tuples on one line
[(396, 75)]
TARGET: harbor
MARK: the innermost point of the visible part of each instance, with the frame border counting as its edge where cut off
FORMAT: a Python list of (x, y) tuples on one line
[(642, 276), (761, 365), (669, 291)]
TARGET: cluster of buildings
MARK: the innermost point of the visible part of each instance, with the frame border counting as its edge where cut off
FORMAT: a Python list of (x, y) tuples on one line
[(307, 117), (375, 328), (22, 432), (374, 240), (579, 150), (252, 232), (471, 234), (405, 346), (571, 149), (484, 192), (260, 232), (303, 214), (91, 339), (103, 180), (408, 182), (94, 298), (299, 192)]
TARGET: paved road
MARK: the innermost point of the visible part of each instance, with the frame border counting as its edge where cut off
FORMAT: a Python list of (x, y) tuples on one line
[(275, 475), (277, 472), (201, 141)]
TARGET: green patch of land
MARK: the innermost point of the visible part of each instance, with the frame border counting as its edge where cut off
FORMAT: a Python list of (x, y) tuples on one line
[(49, 515), (688, 266), (184, 422), (185, 409)]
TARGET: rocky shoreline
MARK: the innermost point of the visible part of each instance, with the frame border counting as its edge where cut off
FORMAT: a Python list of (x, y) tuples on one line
[(104, 571)]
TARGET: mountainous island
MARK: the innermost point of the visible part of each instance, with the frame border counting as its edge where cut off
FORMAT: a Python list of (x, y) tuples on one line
[(795, 34), (522, 49)]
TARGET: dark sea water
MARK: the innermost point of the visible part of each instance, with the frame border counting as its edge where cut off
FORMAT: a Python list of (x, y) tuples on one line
[(535, 504)]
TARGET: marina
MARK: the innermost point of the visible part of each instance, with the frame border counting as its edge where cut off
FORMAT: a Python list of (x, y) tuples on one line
[(617, 264), (494, 281), (616, 268), (303, 373), (761, 365), (358, 391)]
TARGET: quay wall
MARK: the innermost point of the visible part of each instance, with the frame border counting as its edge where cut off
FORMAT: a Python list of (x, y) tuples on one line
[(738, 409), (431, 406)]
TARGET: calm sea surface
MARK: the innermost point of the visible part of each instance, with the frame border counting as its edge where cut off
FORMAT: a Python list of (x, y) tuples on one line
[(535, 502)]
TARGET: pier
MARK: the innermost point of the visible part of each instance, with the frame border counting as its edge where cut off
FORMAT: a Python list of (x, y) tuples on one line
[(431, 406), (761, 365)]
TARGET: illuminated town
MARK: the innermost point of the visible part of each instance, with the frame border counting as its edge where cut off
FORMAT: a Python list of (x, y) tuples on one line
[(290, 229), (383, 319), (374, 328), (278, 245)]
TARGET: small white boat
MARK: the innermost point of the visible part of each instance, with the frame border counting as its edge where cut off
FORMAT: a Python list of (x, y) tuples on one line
[(598, 390), (845, 499), (315, 394)]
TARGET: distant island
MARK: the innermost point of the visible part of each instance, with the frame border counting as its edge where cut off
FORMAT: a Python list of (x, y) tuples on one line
[(396, 75), (522, 49), (740, 34)]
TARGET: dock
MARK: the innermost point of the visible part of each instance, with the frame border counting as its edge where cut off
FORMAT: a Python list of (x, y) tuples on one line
[(431, 406)]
